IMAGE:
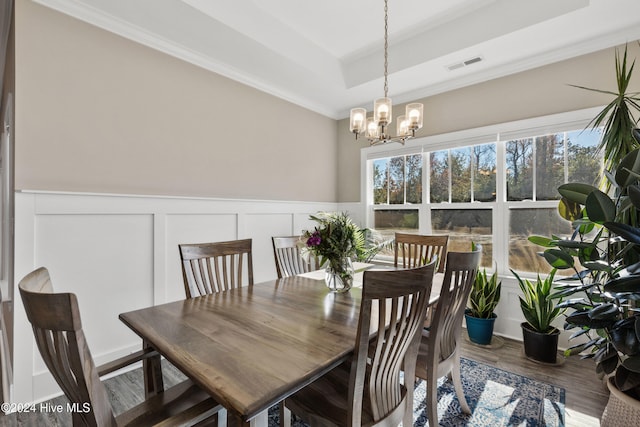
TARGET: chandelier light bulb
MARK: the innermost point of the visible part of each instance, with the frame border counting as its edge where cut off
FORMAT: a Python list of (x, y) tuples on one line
[(382, 111), (402, 126), (372, 128), (415, 113), (357, 121)]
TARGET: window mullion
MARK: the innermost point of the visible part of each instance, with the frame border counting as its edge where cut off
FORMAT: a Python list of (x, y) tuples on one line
[(426, 177), (534, 165), (500, 213), (566, 157), (472, 172), (404, 179), (449, 174)]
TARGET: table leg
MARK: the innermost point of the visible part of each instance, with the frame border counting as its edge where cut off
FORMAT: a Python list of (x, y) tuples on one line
[(152, 369), (285, 415)]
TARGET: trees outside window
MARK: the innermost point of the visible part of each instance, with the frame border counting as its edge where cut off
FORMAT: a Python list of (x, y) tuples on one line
[(439, 178), (484, 178), (549, 168), (519, 158)]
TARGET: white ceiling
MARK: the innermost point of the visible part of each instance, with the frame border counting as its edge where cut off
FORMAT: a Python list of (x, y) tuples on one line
[(327, 55)]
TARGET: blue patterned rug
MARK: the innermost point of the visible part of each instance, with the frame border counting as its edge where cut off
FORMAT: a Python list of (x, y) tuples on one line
[(496, 398)]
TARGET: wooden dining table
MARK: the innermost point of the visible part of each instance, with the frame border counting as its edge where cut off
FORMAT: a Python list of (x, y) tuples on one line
[(251, 347)]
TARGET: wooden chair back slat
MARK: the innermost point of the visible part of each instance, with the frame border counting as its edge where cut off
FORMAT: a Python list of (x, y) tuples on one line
[(459, 276), (401, 298), (215, 267), (58, 333), (439, 352), (57, 328), (289, 261), (415, 250), (368, 389)]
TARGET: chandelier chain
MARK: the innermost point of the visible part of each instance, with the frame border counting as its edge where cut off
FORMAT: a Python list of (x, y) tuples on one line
[(386, 48), (376, 127)]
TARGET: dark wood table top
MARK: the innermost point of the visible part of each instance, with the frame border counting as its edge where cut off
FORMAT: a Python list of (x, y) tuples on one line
[(253, 346)]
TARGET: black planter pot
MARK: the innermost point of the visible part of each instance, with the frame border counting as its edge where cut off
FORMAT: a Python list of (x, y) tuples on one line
[(538, 346)]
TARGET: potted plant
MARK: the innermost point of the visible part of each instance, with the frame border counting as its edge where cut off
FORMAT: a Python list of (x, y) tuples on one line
[(538, 305), (483, 299), (604, 255), (606, 246)]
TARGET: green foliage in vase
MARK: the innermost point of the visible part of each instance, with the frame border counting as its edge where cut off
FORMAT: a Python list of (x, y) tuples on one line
[(337, 237)]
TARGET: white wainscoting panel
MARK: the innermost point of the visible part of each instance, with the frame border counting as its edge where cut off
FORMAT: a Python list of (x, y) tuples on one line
[(192, 228), (261, 227), (119, 253), (106, 260)]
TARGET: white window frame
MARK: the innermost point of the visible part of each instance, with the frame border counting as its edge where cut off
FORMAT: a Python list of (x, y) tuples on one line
[(500, 134)]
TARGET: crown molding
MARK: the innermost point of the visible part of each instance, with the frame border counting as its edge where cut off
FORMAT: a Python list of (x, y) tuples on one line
[(93, 16), (97, 18)]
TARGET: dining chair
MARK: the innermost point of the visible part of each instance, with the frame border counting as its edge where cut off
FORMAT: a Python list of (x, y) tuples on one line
[(289, 261), (367, 390), (215, 267), (55, 318), (439, 351), (414, 250)]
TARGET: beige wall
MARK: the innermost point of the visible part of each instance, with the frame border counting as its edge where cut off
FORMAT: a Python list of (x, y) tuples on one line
[(533, 93), (99, 113)]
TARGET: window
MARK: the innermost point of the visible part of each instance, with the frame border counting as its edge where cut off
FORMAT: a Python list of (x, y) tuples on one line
[(484, 178), (523, 255), (485, 187), (464, 226), (398, 180)]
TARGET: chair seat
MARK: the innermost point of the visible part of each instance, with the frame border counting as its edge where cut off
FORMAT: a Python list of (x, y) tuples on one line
[(328, 396), (173, 407)]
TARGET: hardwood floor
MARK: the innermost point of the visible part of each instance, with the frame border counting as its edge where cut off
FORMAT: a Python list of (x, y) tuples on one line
[(586, 396)]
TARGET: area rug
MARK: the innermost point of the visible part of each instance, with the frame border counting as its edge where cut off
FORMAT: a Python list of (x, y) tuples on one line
[(496, 398)]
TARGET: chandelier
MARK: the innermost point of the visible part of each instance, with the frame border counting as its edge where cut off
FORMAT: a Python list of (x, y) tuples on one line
[(376, 128)]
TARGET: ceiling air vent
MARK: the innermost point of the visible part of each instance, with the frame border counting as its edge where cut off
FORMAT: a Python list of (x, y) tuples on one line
[(465, 63)]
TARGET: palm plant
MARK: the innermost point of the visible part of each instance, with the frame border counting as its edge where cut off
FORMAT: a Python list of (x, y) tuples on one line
[(617, 117)]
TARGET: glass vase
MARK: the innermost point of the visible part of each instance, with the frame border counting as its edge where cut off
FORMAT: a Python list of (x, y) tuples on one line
[(339, 275)]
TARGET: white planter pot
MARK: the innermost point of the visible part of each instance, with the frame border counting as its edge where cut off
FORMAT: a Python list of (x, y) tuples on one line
[(622, 410)]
